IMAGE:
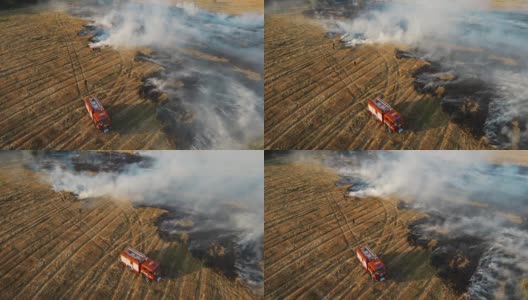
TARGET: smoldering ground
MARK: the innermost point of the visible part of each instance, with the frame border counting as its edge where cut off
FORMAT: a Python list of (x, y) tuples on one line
[(214, 199), (210, 91), (466, 38), (83, 161), (475, 246)]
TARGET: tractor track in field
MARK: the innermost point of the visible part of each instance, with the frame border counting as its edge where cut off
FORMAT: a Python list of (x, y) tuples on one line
[(91, 282), (70, 255), (55, 244), (60, 247), (316, 94), (314, 84), (88, 282), (331, 126), (49, 68), (53, 117), (312, 231), (18, 257), (46, 271), (69, 51), (276, 99)]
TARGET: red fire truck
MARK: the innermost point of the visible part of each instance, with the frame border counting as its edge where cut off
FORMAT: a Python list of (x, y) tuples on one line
[(372, 263), (99, 116), (140, 263), (386, 115)]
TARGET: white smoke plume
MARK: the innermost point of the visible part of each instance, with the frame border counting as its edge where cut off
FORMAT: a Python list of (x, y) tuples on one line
[(164, 24), (205, 181), (416, 22), (213, 64), (443, 30), (505, 261), (220, 193), (437, 181), (413, 173), (511, 105)]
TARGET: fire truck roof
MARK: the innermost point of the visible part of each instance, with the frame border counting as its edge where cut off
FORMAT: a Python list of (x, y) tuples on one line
[(135, 254), (95, 103), (369, 254), (382, 105)]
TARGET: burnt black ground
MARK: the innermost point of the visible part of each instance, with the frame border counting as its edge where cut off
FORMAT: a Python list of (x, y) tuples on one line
[(208, 238), (203, 103), (487, 55), (455, 258), (82, 161), (211, 237)]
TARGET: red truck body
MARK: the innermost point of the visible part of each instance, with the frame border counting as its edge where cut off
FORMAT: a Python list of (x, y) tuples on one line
[(99, 116), (372, 263), (140, 263), (386, 115)]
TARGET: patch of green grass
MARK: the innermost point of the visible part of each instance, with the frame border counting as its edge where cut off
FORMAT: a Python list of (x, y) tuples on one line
[(179, 261)]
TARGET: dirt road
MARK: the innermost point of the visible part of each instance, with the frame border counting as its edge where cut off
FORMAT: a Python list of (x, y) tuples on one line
[(56, 247), (316, 92), (46, 71), (312, 230)]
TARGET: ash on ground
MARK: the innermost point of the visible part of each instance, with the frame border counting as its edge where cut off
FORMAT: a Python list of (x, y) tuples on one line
[(479, 74), (88, 161), (210, 238), (217, 235), (473, 258), (455, 258), (467, 96), (210, 92), (354, 184), (198, 109)]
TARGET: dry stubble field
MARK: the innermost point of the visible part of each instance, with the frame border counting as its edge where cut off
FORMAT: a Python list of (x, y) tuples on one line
[(42, 81), (45, 65), (232, 6), (56, 247), (312, 230), (316, 94)]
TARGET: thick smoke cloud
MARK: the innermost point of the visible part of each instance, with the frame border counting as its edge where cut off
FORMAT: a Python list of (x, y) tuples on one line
[(220, 192), (212, 102), (511, 105), (417, 22), (201, 180), (441, 183), (160, 24), (466, 36)]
